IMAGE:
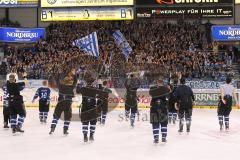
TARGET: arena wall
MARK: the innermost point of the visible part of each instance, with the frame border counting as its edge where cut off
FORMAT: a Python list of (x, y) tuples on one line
[(2, 13), (237, 14), (27, 17)]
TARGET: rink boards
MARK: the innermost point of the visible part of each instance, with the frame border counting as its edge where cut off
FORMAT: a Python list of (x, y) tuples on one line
[(205, 98)]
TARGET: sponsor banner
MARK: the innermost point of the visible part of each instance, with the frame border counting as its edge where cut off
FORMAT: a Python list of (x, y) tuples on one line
[(116, 99), (18, 3), (182, 2), (206, 84), (186, 12), (21, 35), (226, 33), (92, 3), (196, 84), (93, 13)]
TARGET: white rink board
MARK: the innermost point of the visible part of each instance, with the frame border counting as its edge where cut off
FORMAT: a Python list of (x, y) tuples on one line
[(116, 99)]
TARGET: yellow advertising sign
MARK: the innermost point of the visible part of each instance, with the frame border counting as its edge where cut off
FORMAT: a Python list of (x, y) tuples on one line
[(92, 3), (75, 14)]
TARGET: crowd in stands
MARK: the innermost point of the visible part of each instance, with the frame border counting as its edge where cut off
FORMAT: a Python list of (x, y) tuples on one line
[(159, 48)]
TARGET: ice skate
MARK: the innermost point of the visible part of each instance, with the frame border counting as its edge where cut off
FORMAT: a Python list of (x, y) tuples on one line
[(156, 141), (14, 131), (164, 140), (180, 128), (91, 138), (51, 131), (170, 120), (85, 139), (174, 121), (65, 132), (221, 127), (18, 129), (44, 121), (6, 126), (188, 128), (103, 122), (227, 128), (132, 123)]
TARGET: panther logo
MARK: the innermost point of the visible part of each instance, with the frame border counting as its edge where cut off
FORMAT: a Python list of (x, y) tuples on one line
[(51, 1), (165, 1)]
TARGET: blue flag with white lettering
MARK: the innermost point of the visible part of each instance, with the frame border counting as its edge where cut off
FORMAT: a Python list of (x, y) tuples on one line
[(88, 44), (122, 43)]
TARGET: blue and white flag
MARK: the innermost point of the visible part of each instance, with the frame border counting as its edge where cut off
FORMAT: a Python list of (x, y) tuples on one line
[(88, 44), (122, 43)]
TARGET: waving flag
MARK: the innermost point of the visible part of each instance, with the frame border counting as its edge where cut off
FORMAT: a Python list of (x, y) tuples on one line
[(88, 44), (122, 43)]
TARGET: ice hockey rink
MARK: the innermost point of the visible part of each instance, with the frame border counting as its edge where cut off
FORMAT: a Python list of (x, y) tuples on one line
[(118, 141)]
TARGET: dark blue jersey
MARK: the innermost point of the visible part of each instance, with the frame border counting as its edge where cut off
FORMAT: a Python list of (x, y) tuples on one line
[(15, 88), (5, 96), (184, 96), (43, 93), (159, 96)]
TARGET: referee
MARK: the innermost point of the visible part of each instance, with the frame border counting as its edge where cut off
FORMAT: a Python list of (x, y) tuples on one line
[(225, 103)]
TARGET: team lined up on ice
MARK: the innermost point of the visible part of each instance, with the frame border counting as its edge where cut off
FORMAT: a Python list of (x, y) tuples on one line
[(168, 102)]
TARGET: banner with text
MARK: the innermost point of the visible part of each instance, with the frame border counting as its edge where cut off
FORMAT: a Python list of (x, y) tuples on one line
[(21, 35), (91, 3), (185, 12), (199, 84), (182, 2), (226, 33), (18, 3)]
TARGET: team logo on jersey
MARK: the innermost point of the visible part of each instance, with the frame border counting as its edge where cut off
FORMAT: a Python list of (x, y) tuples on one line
[(165, 1), (51, 1)]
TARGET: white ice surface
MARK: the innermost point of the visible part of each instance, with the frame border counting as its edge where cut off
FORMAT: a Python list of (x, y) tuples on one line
[(117, 141)]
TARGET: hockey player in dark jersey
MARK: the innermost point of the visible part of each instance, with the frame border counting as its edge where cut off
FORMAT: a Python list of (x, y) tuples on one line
[(6, 112), (184, 96), (159, 110), (131, 100), (92, 99), (65, 85), (172, 112), (104, 104), (16, 105), (44, 101)]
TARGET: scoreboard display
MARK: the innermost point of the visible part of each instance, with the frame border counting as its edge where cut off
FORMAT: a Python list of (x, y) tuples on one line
[(83, 10), (93, 13), (79, 3)]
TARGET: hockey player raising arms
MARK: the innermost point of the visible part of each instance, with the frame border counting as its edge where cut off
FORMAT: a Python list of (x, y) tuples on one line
[(65, 85)]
